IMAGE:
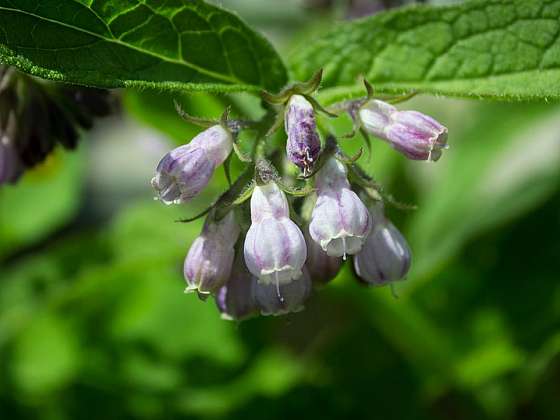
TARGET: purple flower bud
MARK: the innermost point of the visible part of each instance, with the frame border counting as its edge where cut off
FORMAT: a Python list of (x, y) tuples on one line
[(275, 250), (386, 256), (236, 300), (185, 171), (303, 145), (417, 136), (322, 268), (340, 221), (281, 299), (208, 263)]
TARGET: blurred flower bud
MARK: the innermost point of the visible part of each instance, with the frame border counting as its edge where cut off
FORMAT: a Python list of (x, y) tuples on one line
[(235, 300), (340, 221), (209, 260), (185, 171), (274, 248), (322, 268), (386, 256), (303, 144), (281, 299), (417, 136), (89, 101), (11, 167), (37, 115)]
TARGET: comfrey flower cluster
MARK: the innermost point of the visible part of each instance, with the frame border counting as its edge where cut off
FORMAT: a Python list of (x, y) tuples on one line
[(269, 240), (36, 115)]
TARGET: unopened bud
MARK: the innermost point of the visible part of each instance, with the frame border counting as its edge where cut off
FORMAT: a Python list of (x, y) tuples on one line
[(340, 221), (184, 172), (417, 136), (303, 144), (209, 260), (386, 256)]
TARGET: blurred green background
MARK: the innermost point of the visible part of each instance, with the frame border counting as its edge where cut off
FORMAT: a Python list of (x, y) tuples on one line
[(94, 323)]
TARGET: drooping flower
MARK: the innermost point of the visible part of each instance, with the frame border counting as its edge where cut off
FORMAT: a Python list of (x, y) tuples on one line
[(209, 260), (303, 144), (417, 136), (322, 267), (340, 221), (235, 299), (281, 299), (274, 248), (386, 256), (185, 171)]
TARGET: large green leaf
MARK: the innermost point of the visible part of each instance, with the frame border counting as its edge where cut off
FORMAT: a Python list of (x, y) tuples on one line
[(506, 49), (174, 44)]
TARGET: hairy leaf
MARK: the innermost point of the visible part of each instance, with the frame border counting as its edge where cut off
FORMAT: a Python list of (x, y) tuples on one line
[(173, 44), (503, 49)]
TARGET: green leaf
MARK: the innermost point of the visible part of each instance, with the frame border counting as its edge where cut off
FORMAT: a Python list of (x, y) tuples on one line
[(40, 369), (502, 49), (41, 202), (131, 43)]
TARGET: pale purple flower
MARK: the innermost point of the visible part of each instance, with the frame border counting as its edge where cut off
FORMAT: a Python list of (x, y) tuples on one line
[(386, 256), (340, 221), (322, 268), (303, 144), (283, 298), (274, 248), (209, 260), (235, 299), (185, 171), (417, 136)]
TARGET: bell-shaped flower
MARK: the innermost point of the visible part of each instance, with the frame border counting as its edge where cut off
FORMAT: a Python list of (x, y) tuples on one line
[(386, 256), (235, 300), (281, 299), (209, 260), (274, 248), (322, 267), (185, 171), (303, 144), (417, 136), (340, 221)]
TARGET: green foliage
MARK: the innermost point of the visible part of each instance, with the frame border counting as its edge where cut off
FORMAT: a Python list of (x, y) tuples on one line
[(93, 319), (475, 326), (167, 45), (502, 163), (45, 369), (502, 49), (43, 201)]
